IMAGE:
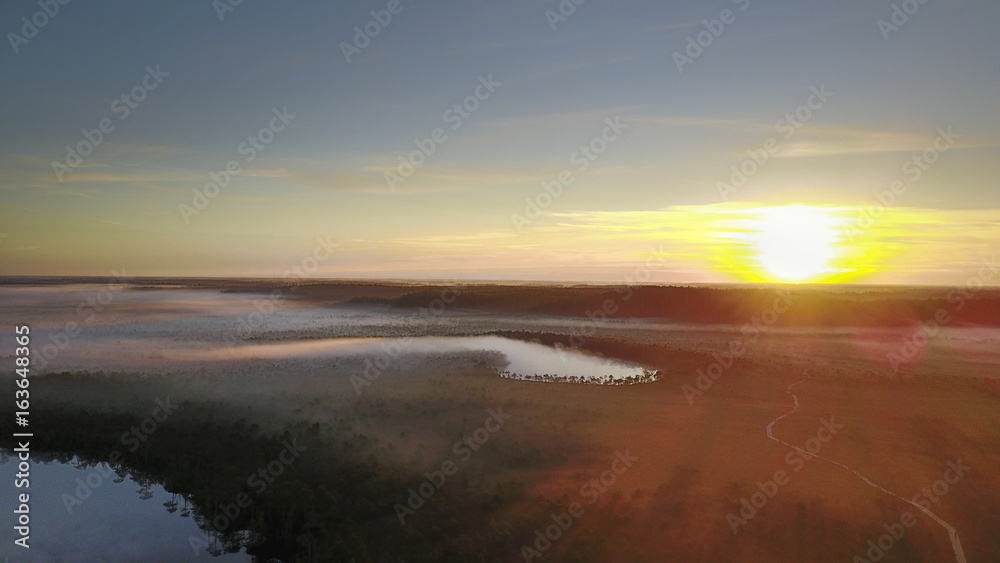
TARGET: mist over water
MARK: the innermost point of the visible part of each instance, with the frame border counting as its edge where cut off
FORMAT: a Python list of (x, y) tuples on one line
[(520, 358), (158, 330)]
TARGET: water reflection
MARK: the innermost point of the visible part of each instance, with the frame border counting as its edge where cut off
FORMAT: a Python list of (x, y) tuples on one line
[(521, 359), (109, 519), (528, 360)]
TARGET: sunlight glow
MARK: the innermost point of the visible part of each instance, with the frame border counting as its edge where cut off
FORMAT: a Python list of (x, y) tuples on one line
[(794, 243)]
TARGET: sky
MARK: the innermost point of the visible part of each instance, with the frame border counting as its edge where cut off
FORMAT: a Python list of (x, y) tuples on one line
[(649, 141)]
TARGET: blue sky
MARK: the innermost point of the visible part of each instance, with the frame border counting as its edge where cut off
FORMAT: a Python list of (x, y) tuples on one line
[(324, 173)]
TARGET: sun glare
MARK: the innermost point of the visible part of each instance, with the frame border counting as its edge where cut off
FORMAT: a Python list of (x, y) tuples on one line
[(794, 243)]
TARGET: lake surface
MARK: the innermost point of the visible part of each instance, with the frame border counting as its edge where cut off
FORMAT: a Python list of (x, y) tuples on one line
[(116, 522), (520, 359)]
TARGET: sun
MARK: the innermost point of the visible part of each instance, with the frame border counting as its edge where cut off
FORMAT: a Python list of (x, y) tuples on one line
[(794, 243)]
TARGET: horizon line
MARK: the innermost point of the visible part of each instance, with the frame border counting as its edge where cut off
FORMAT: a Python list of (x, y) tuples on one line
[(24, 279)]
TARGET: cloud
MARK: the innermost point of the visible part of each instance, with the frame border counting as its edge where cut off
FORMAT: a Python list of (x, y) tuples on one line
[(138, 165), (368, 175), (819, 140)]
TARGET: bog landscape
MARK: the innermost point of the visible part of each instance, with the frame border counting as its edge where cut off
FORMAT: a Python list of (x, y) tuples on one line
[(387, 422), (523, 281)]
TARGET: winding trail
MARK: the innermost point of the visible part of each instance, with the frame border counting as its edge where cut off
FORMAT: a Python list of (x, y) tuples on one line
[(956, 544)]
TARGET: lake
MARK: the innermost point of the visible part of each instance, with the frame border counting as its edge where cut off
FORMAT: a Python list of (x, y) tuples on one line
[(520, 359), (123, 521)]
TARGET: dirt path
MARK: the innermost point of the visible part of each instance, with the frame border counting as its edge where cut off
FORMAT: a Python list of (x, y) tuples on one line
[(956, 544)]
